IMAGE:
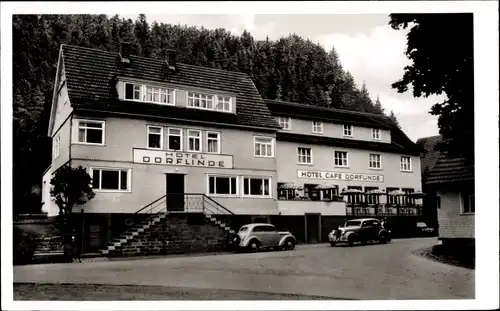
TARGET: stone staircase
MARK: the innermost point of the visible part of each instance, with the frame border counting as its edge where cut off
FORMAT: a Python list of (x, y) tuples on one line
[(167, 232)]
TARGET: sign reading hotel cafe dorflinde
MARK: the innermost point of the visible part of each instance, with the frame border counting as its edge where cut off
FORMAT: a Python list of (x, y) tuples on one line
[(340, 176)]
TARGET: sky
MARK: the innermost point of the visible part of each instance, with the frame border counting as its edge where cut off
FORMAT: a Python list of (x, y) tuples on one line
[(368, 47)]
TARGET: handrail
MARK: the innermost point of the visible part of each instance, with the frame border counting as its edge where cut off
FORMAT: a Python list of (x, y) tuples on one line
[(217, 203), (148, 205)]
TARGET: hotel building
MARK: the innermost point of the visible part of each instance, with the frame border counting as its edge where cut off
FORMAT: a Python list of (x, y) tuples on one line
[(158, 136)]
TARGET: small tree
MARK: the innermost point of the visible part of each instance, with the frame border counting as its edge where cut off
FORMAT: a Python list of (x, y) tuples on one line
[(71, 186)]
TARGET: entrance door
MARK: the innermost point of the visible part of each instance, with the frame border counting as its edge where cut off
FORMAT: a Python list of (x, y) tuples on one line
[(175, 192), (312, 225)]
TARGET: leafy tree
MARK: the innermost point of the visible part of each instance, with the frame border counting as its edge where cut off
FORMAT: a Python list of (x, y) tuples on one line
[(377, 108), (71, 186), (440, 47)]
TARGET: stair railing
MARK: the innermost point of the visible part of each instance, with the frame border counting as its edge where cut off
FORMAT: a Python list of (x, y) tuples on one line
[(157, 206)]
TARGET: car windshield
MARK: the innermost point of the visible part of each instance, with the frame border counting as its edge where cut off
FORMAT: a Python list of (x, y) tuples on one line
[(243, 229), (352, 223)]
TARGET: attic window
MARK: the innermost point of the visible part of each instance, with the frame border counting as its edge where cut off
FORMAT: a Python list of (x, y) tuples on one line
[(149, 94), (132, 91), (209, 102)]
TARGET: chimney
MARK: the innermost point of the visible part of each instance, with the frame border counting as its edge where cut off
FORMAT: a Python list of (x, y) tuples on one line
[(171, 59), (125, 52)]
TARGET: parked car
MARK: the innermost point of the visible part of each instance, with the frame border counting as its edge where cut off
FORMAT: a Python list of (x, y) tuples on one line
[(424, 230), (360, 230), (257, 236)]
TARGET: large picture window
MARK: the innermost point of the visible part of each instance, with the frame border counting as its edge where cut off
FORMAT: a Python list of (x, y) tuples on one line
[(255, 186), (222, 185), (110, 179)]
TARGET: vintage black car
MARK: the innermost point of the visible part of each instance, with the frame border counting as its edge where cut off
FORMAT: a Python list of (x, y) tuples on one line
[(360, 230)]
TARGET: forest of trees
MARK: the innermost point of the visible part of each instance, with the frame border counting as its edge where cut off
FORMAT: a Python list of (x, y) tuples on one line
[(291, 68)]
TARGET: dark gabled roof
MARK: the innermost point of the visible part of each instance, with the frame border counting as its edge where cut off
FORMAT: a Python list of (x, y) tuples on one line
[(431, 154), (449, 170), (310, 112), (346, 143), (91, 75), (400, 143)]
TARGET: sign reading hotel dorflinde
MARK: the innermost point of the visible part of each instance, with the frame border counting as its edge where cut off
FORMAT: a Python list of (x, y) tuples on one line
[(339, 176), (178, 158)]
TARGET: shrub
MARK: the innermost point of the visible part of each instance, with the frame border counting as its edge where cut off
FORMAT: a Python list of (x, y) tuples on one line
[(24, 246)]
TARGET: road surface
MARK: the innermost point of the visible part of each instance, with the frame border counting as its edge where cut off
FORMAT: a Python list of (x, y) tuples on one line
[(388, 271)]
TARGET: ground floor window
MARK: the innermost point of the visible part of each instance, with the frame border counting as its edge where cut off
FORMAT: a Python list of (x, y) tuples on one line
[(392, 200), (311, 193), (110, 179), (407, 200), (354, 198), (371, 199), (286, 194), (224, 185), (256, 186)]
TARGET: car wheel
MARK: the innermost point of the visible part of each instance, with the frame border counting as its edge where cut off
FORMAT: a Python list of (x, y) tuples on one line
[(332, 244), (289, 244), (352, 239), (253, 246), (382, 239)]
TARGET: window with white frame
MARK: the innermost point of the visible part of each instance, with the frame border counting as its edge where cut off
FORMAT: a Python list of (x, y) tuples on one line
[(194, 140), (285, 122), (155, 137), (375, 161), (317, 127), (340, 159), (222, 185), (133, 91), (224, 103), (57, 146), (111, 179), (159, 95), (91, 132), (174, 139), (376, 134), (347, 130), (406, 164), (256, 186), (304, 155), (213, 142), (200, 100), (263, 146), (468, 203)]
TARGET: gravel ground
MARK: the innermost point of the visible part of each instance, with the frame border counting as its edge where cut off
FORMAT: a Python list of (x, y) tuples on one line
[(31, 291)]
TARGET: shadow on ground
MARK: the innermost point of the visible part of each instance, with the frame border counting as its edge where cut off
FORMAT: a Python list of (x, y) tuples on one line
[(100, 292)]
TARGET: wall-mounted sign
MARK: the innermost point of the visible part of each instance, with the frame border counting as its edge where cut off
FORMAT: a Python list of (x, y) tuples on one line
[(339, 176), (159, 157)]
